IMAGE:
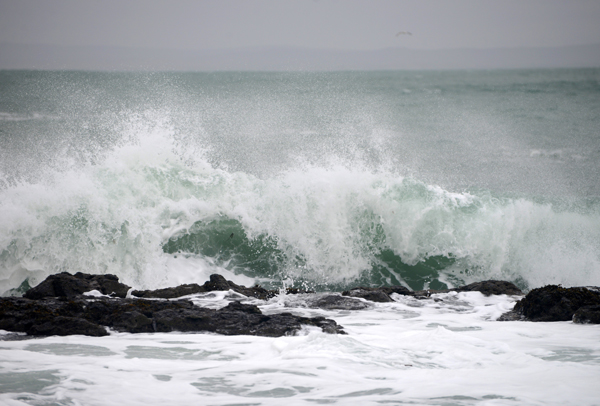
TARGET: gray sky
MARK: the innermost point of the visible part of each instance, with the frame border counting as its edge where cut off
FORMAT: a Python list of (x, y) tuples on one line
[(324, 24)]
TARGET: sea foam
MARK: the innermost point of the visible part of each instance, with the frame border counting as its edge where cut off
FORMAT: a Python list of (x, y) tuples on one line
[(150, 214)]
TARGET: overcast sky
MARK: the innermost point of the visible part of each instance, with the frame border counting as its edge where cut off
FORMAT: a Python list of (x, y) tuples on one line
[(324, 24)]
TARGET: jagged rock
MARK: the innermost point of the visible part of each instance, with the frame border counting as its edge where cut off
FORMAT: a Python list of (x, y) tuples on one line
[(491, 287), (57, 307), (48, 316), (66, 285), (133, 322), (487, 288), (80, 315), (511, 316), (170, 293), (65, 326), (587, 315), (371, 295), (381, 294), (237, 318), (336, 302), (216, 282), (553, 303)]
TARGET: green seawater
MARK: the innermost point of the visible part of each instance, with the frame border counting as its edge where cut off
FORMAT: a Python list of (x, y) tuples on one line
[(318, 180)]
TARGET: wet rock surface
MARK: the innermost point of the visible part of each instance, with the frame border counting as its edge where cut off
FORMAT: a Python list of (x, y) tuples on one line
[(81, 315), (337, 302), (216, 282), (491, 287), (555, 303), (57, 306), (487, 288), (66, 285), (380, 295), (383, 294), (587, 315)]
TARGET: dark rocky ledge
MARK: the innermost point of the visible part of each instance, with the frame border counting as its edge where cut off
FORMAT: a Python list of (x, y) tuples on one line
[(587, 315), (81, 315), (555, 303), (337, 302), (57, 307), (216, 282), (383, 294), (66, 285)]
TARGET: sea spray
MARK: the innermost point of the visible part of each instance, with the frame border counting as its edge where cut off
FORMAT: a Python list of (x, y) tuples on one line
[(143, 214), (329, 180)]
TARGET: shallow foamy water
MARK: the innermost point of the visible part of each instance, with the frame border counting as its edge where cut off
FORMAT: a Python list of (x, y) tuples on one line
[(446, 350)]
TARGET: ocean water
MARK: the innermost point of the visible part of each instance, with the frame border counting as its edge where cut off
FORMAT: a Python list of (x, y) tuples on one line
[(315, 180)]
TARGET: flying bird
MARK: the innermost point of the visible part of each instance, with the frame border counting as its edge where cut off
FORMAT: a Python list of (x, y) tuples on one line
[(403, 33)]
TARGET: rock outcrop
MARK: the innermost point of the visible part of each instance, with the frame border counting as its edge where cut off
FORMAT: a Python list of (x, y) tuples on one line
[(57, 306), (587, 315), (216, 282), (555, 303), (80, 315), (337, 302), (491, 287), (66, 285), (382, 294)]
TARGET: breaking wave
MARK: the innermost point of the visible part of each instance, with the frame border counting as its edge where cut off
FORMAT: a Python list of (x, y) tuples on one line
[(154, 215)]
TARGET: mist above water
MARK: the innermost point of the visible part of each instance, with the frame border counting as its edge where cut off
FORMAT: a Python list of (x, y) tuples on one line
[(324, 180)]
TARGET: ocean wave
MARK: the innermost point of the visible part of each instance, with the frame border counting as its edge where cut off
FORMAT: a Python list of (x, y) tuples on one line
[(154, 214)]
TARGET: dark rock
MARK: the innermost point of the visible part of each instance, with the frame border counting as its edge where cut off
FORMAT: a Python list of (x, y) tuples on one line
[(372, 294), (241, 307), (587, 315), (511, 316), (56, 307), (216, 283), (107, 284), (487, 288), (186, 319), (491, 287), (81, 315), (336, 302), (133, 322), (65, 326), (382, 294), (170, 293), (555, 303), (401, 290), (238, 318), (46, 317), (66, 285)]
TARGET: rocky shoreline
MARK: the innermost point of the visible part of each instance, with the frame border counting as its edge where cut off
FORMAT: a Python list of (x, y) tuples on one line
[(555, 303), (62, 305)]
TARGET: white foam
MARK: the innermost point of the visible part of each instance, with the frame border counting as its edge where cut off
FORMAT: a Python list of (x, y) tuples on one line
[(443, 350), (329, 221), (95, 293)]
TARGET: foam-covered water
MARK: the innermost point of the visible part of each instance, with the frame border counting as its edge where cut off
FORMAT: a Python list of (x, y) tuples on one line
[(315, 180), (446, 350)]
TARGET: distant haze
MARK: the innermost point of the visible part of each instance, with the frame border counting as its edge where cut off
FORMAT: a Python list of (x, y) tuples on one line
[(297, 35), (292, 59)]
